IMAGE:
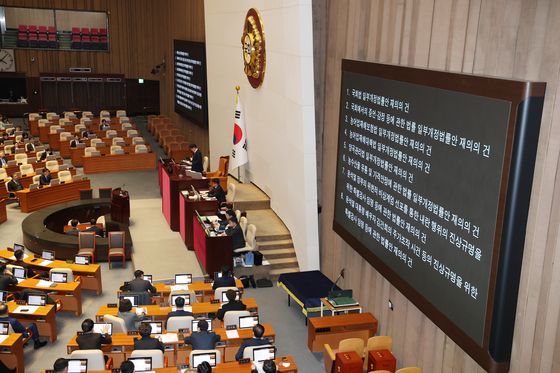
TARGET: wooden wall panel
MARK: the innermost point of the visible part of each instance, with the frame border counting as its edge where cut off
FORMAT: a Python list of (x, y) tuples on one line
[(514, 39)]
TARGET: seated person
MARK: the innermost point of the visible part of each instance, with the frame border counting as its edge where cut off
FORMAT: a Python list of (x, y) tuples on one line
[(60, 365), (204, 367), (222, 224), (257, 340), (104, 125), (19, 262), (131, 319), (3, 159), (225, 281), (75, 141), (94, 228), (30, 147), (231, 305), (217, 191), (74, 231), (43, 156), (85, 134), (19, 328), (268, 366), (179, 304), (127, 367), (202, 339), (46, 177), (139, 284), (234, 230), (145, 342), (89, 340), (15, 184), (4, 138), (6, 277)]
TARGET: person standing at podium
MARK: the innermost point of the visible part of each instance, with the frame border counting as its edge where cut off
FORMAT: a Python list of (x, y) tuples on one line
[(217, 191), (196, 159)]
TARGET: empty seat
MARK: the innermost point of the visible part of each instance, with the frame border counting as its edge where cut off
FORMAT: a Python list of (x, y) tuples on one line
[(65, 176), (79, 128), (232, 317), (131, 133), (104, 113), (137, 140), (116, 149), (94, 142), (54, 129), (52, 166), (21, 158), (95, 358), (110, 133), (89, 150), (87, 114), (26, 170), (65, 136), (121, 113), (3, 174), (141, 148), (116, 140)]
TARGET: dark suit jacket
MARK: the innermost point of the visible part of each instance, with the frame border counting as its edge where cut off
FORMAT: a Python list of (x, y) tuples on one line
[(29, 147), (14, 186), (219, 193), (45, 180), (74, 143), (92, 341), (203, 340), (148, 343), (3, 160), (73, 232), (5, 281), (238, 240), (139, 284), (223, 282), (236, 305), (197, 162), (98, 231), (250, 343), (179, 313)]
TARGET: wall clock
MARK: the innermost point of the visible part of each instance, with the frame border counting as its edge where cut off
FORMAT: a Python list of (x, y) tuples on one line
[(7, 60), (253, 47)]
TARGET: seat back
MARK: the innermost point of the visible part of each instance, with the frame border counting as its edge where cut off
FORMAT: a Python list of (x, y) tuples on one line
[(10, 267), (104, 113), (68, 271), (243, 225), (43, 122), (156, 355), (8, 149), (65, 176), (3, 174), (115, 149), (95, 358), (193, 352), (116, 140), (21, 158), (110, 133), (116, 240), (89, 150), (131, 133), (78, 128), (230, 196), (178, 322), (205, 164), (121, 113), (232, 317), (125, 125), (223, 166), (351, 344), (251, 236), (137, 140), (26, 169), (87, 114), (238, 214), (52, 166), (51, 115), (119, 326), (54, 128), (65, 136), (140, 148), (218, 292), (36, 179), (86, 240), (248, 351), (409, 370), (94, 142)]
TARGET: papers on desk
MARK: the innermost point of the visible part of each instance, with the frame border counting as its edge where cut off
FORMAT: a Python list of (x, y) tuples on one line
[(168, 338), (45, 263), (26, 309), (3, 338), (212, 218), (179, 287), (231, 334), (44, 284)]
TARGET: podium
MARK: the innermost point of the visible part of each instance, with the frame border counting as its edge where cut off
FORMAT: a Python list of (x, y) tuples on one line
[(120, 206)]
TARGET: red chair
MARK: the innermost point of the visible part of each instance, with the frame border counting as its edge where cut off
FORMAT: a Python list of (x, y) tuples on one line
[(116, 247), (43, 29), (76, 42), (53, 43), (95, 42), (85, 31), (75, 31), (43, 41), (32, 28), (94, 31), (22, 40), (86, 42), (33, 40), (22, 28), (51, 30), (103, 31)]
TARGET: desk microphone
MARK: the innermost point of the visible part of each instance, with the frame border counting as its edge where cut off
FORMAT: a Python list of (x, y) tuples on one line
[(340, 275)]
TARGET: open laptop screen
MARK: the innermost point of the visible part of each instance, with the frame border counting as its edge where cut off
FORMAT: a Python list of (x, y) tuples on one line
[(264, 353), (132, 298), (59, 277), (141, 364), (36, 300), (103, 328), (157, 326), (81, 259), (247, 322), (19, 273), (224, 297), (183, 278), (210, 357), (48, 255), (77, 365)]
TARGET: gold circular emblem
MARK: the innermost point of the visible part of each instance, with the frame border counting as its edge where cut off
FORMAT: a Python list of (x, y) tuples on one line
[(253, 47)]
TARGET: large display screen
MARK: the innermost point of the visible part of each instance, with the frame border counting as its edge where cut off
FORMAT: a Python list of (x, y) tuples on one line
[(191, 94), (423, 173)]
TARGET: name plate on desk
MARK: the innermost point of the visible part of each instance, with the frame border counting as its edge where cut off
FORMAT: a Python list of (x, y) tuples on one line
[(214, 301), (132, 332), (208, 280), (231, 327), (244, 361), (111, 305)]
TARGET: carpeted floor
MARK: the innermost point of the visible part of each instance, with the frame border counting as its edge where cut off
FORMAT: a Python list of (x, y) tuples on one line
[(160, 252)]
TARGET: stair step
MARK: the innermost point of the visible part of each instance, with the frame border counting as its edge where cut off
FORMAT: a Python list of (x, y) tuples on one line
[(251, 205), (273, 237), (277, 244), (279, 253), (278, 272)]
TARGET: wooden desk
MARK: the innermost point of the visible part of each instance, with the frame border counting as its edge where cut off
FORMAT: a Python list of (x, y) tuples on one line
[(90, 274), (31, 200), (119, 162), (160, 313), (197, 286), (10, 170), (187, 208), (212, 253), (77, 154), (11, 352), (333, 329), (3, 212), (44, 318), (65, 149), (69, 294)]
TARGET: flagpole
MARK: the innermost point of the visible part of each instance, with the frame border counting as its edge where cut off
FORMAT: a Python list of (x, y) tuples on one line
[(237, 88)]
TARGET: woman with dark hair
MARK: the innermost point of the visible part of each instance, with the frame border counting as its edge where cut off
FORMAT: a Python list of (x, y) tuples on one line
[(130, 318), (204, 367)]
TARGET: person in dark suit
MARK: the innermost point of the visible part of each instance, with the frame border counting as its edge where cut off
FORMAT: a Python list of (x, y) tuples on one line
[(236, 233), (257, 340), (217, 191), (179, 304), (89, 340), (60, 365), (14, 185), (225, 281), (204, 367), (43, 156), (19, 262), (127, 367), (94, 228), (139, 284), (4, 138), (29, 147), (145, 342), (6, 278), (203, 339), (74, 231), (196, 159), (46, 177), (75, 141), (104, 125), (19, 328), (3, 160), (231, 305)]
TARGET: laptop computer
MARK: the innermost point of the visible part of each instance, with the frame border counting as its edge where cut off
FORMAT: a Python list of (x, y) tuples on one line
[(54, 182), (3, 296), (148, 278), (194, 324), (186, 297), (81, 259), (264, 353), (183, 278), (141, 364), (103, 328), (225, 299), (197, 359), (247, 322), (36, 299), (20, 274), (59, 277), (132, 298), (77, 365), (33, 186), (47, 255)]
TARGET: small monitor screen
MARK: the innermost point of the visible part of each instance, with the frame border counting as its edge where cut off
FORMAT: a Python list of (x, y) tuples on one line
[(194, 324), (148, 278), (183, 278), (4, 328), (59, 277), (264, 353), (132, 298), (77, 365), (19, 272), (224, 297), (3, 296), (217, 275), (157, 326), (81, 259), (36, 300), (186, 297), (247, 322), (103, 328), (18, 247), (141, 364), (197, 359), (48, 255)]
